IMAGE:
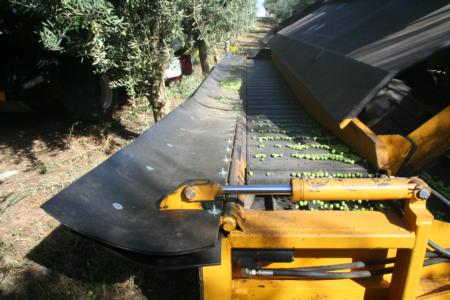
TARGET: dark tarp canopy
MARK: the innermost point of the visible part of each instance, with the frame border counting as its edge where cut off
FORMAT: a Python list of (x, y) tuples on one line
[(345, 51)]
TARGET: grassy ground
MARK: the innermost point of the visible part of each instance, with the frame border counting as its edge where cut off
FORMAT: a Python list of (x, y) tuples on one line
[(252, 40), (42, 259)]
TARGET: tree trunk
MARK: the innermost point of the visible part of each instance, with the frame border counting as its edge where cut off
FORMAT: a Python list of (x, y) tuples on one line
[(158, 94), (203, 54)]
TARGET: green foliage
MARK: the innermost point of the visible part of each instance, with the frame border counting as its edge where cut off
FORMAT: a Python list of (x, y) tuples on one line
[(133, 40), (233, 84), (437, 184), (442, 188), (184, 88), (216, 21), (282, 9)]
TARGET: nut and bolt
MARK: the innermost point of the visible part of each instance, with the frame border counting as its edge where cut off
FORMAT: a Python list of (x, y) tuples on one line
[(214, 210), (424, 194), (190, 193)]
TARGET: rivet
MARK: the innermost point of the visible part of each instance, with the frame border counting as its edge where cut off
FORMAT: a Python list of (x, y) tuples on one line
[(117, 206)]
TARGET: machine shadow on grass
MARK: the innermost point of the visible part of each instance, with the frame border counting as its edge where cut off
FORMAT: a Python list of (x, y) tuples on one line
[(65, 253), (19, 133)]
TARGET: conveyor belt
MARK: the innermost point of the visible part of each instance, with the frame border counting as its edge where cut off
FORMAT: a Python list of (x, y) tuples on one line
[(276, 123)]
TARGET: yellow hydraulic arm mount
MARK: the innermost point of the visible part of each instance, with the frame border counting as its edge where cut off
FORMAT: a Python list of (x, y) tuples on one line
[(363, 232), (190, 195)]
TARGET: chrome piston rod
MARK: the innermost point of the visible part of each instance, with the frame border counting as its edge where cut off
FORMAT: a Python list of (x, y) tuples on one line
[(273, 189)]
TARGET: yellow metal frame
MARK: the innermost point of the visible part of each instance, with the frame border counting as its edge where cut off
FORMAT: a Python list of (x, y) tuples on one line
[(200, 191), (2, 96), (361, 188), (431, 139), (331, 237), (225, 282)]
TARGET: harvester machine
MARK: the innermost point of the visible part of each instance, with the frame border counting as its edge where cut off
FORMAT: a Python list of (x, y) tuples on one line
[(294, 173)]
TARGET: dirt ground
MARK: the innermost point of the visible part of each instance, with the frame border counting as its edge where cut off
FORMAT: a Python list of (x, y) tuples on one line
[(39, 258), (42, 259)]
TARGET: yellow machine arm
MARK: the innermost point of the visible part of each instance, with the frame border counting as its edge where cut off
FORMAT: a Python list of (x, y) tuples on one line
[(337, 237), (190, 195)]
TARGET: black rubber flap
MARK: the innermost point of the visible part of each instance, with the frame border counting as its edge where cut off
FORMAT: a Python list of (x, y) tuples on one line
[(206, 257), (342, 86), (117, 202), (389, 34), (346, 51)]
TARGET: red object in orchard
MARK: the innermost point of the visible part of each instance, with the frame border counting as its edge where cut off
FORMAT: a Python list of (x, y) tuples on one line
[(178, 68), (186, 64), (170, 80)]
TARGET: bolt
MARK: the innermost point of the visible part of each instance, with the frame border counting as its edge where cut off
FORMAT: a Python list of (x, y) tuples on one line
[(214, 210), (245, 272), (424, 194), (223, 173), (190, 193)]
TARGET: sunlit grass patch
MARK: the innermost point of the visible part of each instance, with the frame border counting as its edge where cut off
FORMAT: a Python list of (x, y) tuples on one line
[(233, 84)]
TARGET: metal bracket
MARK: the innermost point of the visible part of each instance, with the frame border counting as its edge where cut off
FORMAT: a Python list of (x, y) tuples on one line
[(190, 195)]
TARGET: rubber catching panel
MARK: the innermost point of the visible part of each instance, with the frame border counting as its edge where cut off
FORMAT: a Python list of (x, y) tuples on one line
[(117, 202)]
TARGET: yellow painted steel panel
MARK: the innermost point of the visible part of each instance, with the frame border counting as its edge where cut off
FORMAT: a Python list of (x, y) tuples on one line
[(216, 280), (342, 289), (321, 229)]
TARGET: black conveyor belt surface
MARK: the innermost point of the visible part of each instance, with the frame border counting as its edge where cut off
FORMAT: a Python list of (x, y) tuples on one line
[(272, 106)]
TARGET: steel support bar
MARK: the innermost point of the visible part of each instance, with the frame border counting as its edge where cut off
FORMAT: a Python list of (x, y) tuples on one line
[(257, 189)]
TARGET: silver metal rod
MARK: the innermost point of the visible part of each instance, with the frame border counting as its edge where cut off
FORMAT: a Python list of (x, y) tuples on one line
[(441, 197), (258, 189)]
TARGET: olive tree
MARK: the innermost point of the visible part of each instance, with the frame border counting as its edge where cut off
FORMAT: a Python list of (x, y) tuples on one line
[(214, 21), (132, 40), (282, 9)]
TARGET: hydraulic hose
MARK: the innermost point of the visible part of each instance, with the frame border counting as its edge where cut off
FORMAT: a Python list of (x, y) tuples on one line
[(438, 195), (441, 197), (322, 272), (332, 275), (352, 265), (357, 264), (434, 261), (439, 249)]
